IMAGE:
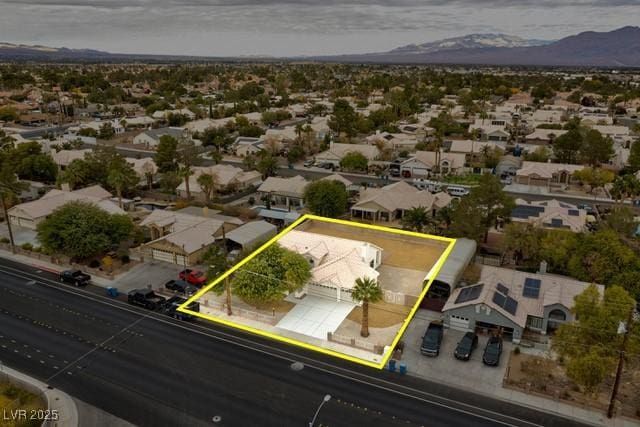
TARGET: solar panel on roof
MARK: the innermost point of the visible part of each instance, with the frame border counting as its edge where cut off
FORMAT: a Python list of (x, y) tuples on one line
[(556, 222), (499, 298), (469, 293), (502, 288), (511, 305), (531, 288)]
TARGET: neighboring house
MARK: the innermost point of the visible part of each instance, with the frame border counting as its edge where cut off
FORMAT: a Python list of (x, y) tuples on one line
[(151, 138), (395, 141), (30, 214), (287, 192), (64, 157), (249, 235), (337, 177), (423, 163), (543, 136), (491, 129), (595, 118), (513, 301), (335, 262), (229, 179), (473, 149), (548, 116), (143, 167), (539, 173), (180, 238), (244, 146), (389, 203), (337, 151), (163, 114), (550, 214)]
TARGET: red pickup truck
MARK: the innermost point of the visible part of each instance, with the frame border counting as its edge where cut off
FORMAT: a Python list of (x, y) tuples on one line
[(193, 277)]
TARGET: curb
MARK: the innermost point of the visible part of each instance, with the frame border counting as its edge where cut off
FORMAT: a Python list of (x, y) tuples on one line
[(58, 402)]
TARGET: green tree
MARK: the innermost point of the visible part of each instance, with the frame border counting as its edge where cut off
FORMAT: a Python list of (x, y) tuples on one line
[(166, 156), (417, 219), (82, 230), (8, 114), (594, 177), (266, 278), (590, 344), (106, 131), (10, 188), (208, 182), (77, 174), (343, 118), (354, 161), (621, 219), (567, 146), (187, 157), (596, 149), (634, 156), (267, 164), (366, 290), (625, 187), (540, 154), (327, 198), (521, 243), (122, 177)]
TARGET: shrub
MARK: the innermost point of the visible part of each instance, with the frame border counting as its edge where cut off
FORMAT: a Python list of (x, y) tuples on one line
[(125, 259), (27, 246), (4, 240), (252, 201), (94, 263), (516, 350)]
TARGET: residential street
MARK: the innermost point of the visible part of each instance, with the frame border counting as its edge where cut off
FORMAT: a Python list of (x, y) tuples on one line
[(152, 370)]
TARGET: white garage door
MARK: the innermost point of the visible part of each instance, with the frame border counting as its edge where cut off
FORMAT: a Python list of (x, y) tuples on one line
[(459, 323), (181, 260), (163, 256), (323, 291)]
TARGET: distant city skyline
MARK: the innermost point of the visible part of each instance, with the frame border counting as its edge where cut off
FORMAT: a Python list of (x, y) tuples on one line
[(291, 28)]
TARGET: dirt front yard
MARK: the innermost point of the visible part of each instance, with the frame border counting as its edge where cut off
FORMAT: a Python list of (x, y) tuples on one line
[(398, 250), (546, 376)]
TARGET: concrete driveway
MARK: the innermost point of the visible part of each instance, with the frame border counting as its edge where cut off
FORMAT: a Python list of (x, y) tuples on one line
[(21, 235), (154, 273), (445, 368), (315, 316)]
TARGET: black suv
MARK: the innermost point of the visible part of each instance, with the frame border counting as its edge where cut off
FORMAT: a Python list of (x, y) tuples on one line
[(432, 339), (492, 352), (180, 286), (75, 277), (466, 346), (171, 308)]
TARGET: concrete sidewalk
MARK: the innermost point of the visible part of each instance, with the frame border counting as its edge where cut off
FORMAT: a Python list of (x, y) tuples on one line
[(58, 402)]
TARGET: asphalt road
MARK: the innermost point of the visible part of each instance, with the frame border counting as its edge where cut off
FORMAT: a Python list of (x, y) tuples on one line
[(154, 371)]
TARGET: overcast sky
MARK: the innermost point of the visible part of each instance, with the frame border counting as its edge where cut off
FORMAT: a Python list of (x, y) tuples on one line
[(288, 27)]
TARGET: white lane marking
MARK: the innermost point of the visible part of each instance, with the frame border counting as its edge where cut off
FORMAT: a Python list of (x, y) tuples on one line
[(290, 357)]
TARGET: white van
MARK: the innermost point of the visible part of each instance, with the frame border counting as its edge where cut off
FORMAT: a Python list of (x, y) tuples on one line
[(457, 191), (425, 184)]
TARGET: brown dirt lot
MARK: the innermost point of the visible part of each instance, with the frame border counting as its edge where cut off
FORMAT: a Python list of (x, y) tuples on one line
[(399, 250), (381, 314)]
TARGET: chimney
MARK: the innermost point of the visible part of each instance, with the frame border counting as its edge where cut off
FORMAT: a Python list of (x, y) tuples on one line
[(543, 267)]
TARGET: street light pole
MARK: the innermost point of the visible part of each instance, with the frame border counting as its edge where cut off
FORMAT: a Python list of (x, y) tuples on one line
[(623, 349), (326, 398)]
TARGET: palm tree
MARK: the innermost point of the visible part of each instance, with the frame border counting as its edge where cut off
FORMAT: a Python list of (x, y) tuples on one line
[(416, 218), (121, 177), (10, 187), (185, 173), (299, 130), (307, 131), (366, 290), (208, 182)]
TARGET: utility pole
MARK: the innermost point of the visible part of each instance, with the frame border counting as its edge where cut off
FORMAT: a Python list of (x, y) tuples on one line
[(623, 348)]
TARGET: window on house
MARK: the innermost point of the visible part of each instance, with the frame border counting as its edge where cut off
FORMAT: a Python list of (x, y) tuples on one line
[(534, 322)]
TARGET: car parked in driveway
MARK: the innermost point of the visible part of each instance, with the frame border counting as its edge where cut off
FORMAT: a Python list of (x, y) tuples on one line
[(465, 346), (492, 352), (432, 339), (180, 286), (193, 277)]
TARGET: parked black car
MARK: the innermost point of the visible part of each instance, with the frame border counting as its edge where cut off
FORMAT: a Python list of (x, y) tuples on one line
[(181, 287), (466, 346), (171, 308), (146, 298), (492, 352), (432, 339), (75, 277)]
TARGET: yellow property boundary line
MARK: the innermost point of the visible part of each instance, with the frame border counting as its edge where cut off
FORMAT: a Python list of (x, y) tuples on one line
[(435, 270)]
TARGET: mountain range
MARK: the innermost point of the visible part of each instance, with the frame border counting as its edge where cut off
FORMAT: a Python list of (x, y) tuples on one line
[(617, 48)]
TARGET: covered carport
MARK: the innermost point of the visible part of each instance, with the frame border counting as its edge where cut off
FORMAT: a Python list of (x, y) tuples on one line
[(250, 235)]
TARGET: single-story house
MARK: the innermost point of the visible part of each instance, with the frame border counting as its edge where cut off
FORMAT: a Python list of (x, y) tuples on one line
[(389, 203), (541, 173), (30, 214), (473, 149), (151, 137), (64, 157), (337, 151), (543, 136), (143, 167), (244, 146), (181, 238), (335, 262), (423, 162), (287, 192), (550, 214), (511, 301), (228, 177)]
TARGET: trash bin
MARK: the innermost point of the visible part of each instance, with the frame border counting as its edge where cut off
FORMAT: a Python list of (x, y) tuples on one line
[(403, 368), (112, 292), (392, 365)]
